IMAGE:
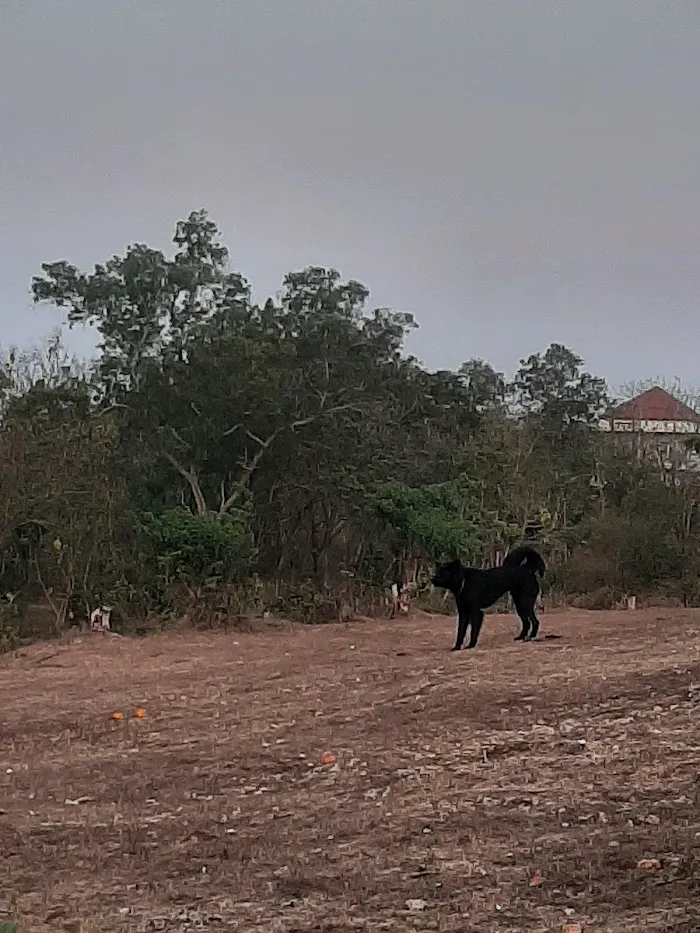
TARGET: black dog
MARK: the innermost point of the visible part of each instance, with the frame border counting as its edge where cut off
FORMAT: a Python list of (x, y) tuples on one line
[(475, 590)]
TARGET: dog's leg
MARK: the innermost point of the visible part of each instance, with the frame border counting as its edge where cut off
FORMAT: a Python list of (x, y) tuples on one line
[(524, 614), (477, 620), (528, 604), (462, 623)]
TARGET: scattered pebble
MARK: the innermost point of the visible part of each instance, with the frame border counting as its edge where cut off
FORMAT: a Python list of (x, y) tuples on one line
[(415, 904)]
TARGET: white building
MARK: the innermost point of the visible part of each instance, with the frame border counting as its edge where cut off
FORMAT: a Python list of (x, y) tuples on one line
[(659, 426)]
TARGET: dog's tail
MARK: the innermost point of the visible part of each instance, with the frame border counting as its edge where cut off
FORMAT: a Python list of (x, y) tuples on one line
[(525, 554)]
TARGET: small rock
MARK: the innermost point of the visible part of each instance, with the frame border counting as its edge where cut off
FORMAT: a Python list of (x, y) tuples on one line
[(415, 904), (648, 864)]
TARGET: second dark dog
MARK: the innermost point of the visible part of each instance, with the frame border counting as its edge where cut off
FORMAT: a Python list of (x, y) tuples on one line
[(475, 589)]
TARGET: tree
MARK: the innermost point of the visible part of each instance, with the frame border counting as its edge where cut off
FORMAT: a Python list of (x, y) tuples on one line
[(64, 533), (48, 365), (144, 305), (218, 441), (557, 406), (485, 386), (553, 387)]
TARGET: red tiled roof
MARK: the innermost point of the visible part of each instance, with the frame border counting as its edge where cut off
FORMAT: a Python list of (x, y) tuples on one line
[(655, 404)]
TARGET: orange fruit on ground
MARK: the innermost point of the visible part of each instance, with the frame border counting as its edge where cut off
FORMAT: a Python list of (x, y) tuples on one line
[(328, 758), (117, 717), (140, 713)]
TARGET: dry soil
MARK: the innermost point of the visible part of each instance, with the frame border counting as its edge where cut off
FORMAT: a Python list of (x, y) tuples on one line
[(510, 788)]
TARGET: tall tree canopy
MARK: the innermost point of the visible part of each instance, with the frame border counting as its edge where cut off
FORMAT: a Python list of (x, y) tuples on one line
[(223, 446)]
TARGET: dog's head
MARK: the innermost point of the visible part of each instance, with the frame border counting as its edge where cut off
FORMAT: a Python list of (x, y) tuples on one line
[(449, 576)]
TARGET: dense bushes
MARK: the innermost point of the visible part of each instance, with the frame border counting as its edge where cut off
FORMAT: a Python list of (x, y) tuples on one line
[(222, 455)]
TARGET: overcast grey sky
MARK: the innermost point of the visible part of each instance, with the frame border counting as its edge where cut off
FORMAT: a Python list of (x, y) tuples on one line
[(514, 172)]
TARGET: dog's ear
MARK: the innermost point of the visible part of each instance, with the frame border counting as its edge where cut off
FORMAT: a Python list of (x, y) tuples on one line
[(456, 571)]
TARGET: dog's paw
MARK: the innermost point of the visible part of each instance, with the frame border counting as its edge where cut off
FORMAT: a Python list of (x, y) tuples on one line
[(456, 648)]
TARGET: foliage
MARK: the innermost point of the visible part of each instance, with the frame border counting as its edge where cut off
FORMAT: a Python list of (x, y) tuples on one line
[(62, 532), (220, 448), (144, 305), (432, 519), (553, 386), (198, 547), (9, 624)]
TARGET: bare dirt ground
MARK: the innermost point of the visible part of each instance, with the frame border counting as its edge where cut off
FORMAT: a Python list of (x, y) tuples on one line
[(511, 788)]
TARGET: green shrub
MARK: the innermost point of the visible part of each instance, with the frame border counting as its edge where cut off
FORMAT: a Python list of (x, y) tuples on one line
[(198, 548), (9, 627), (430, 518)]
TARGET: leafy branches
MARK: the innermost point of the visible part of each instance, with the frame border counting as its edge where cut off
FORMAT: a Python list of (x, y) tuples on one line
[(217, 438)]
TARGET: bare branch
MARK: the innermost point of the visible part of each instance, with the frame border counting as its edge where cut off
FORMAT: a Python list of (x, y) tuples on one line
[(192, 481), (101, 412), (60, 611), (301, 422), (248, 469), (181, 441), (263, 443)]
